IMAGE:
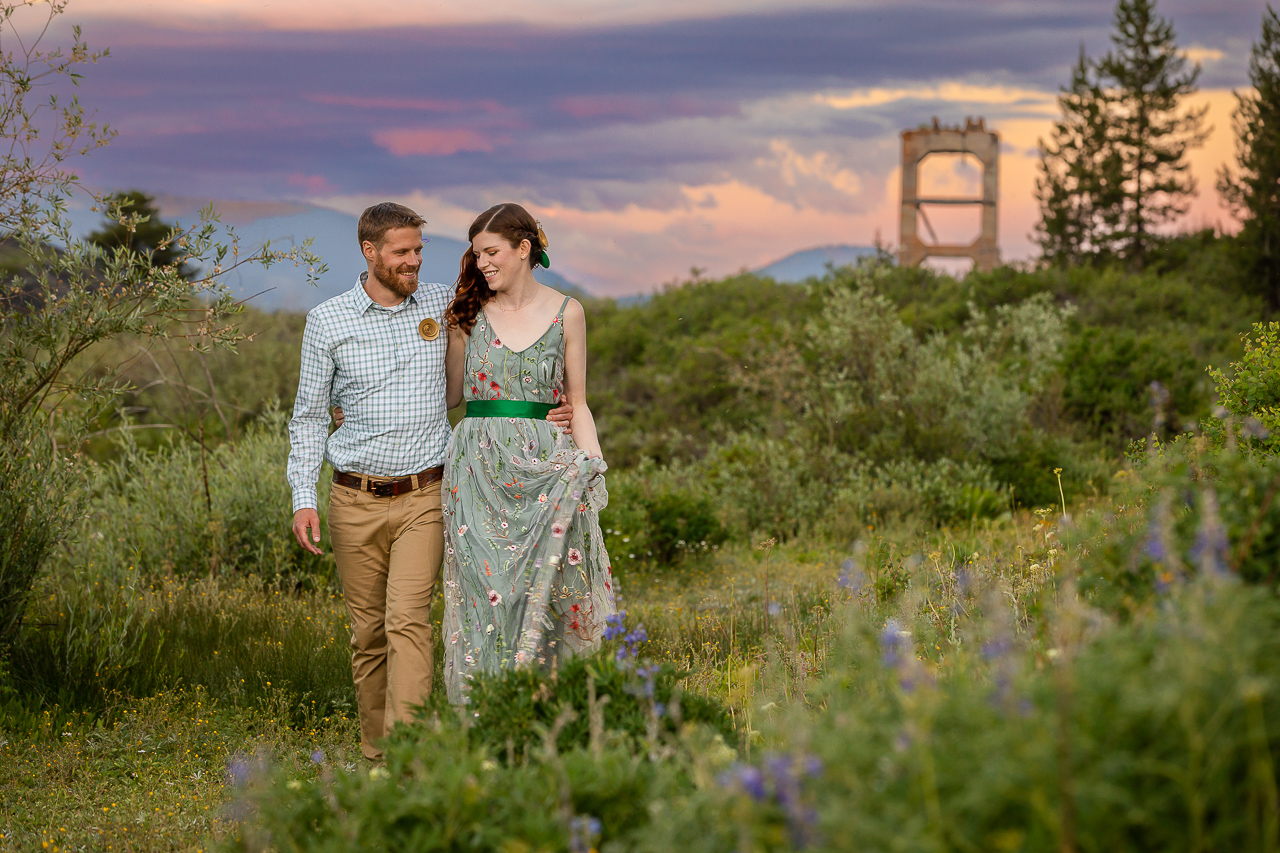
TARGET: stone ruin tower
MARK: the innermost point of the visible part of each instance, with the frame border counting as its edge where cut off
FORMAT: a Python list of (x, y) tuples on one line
[(918, 144)]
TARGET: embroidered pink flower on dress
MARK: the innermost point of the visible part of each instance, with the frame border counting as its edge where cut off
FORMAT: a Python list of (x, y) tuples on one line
[(542, 498), (471, 661), (453, 641), (494, 598), (575, 557), (483, 376), (462, 531), (494, 386), (497, 343), (557, 529), (520, 657)]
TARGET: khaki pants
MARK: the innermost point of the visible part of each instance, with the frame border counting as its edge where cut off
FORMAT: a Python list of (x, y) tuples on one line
[(388, 552)]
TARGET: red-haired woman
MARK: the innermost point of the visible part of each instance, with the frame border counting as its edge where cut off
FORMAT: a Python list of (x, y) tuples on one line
[(526, 575)]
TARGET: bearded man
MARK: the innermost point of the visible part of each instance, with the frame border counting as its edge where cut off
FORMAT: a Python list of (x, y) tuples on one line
[(377, 351)]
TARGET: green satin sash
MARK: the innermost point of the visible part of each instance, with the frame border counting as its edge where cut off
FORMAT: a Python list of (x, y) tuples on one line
[(508, 409)]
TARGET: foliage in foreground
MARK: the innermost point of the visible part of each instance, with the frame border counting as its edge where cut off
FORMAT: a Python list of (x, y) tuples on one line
[(1156, 735), (510, 715)]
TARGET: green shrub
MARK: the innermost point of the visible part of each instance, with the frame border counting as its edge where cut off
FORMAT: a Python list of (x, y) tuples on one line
[(1188, 511), (438, 794), (656, 517), (509, 713), (1108, 373), (151, 511), (1251, 394)]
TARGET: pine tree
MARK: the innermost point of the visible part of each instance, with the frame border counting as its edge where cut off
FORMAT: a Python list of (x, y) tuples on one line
[(1253, 192), (1115, 170), (1079, 184), (149, 236), (1148, 77)]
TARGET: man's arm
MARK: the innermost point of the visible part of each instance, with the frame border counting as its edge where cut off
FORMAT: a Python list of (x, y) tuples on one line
[(308, 430)]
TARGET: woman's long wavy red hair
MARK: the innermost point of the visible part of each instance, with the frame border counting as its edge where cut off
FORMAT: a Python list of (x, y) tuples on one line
[(512, 223)]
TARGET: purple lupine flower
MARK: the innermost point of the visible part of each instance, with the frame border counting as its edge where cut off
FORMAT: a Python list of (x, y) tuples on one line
[(1211, 548), (1154, 545), (851, 576), (892, 643), (238, 771), (614, 625), (996, 648), (752, 781)]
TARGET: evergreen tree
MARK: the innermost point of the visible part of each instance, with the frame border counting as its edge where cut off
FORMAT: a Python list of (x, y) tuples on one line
[(1253, 193), (1079, 188), (1148, 77), (1115, 170), (142, 231)]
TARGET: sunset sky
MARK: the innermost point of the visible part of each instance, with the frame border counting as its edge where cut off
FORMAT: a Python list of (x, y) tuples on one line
[(649, 136)]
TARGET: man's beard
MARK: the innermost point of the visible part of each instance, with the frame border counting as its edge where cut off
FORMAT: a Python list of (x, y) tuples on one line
[(390, 279)]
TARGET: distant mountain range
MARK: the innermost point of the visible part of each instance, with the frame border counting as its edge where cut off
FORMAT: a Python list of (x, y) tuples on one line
[(796, 267), (813, 263), (285, 225)]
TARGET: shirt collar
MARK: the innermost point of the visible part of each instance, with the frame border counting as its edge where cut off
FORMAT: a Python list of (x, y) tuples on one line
[(361, 302)]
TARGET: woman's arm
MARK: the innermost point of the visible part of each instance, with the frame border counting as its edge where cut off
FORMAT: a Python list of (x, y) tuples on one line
[(575, 378), (454, 362)]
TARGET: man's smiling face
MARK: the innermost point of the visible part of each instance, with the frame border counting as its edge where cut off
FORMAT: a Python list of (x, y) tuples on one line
[(397, 261)]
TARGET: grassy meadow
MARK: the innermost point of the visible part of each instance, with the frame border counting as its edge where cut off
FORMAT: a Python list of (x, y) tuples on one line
[(908, 563)]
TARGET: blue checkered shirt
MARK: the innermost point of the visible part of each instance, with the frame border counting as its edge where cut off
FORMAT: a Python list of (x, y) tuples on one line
[(372, 362)]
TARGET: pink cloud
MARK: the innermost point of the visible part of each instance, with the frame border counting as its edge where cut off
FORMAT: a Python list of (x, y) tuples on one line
[(429, 142), (310, 183), (424, 104)]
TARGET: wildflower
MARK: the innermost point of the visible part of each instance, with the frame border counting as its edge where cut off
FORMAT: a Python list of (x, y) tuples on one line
[(893, 642), (238, 771), (774, 608), (583, 832), (752, 782), (1210, 549), (614, 625), (318, 756)]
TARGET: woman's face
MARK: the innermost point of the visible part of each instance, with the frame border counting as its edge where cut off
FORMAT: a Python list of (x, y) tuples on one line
[(498, 261)]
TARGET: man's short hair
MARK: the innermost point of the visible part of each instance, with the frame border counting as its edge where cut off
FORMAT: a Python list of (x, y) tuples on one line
[(376, 221)]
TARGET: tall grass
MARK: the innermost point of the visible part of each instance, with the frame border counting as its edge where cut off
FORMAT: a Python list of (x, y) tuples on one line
[(96, 645)]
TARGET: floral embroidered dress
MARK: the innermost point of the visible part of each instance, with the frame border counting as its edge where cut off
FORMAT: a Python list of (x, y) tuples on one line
[(527, 579)]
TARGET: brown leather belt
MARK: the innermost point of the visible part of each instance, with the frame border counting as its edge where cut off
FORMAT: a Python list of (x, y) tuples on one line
[(389, 488)]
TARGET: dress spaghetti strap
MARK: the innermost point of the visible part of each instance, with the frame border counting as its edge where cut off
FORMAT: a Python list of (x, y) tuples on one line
[(564, 305)]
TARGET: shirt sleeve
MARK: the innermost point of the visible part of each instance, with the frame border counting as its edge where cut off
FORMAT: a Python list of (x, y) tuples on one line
[(309, 426)]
